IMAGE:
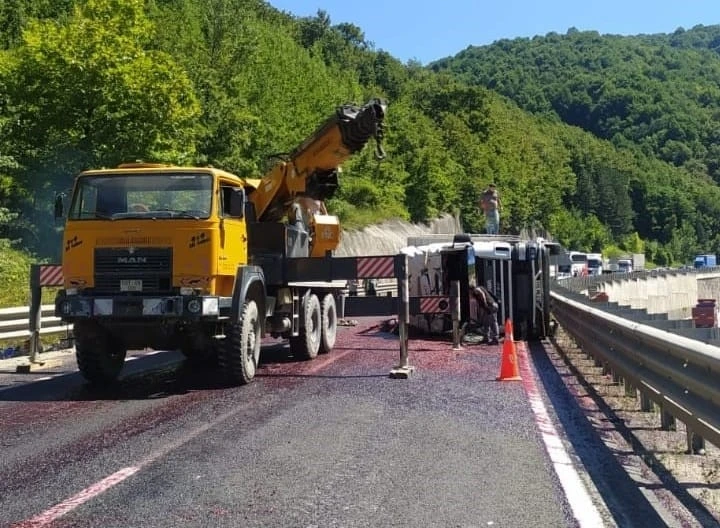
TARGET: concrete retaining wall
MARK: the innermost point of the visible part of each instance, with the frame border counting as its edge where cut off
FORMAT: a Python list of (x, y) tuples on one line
[(673, 294), (390, 237)]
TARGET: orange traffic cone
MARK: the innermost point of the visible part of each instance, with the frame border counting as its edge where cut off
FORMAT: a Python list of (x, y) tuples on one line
[(509, 329), (509, 370)]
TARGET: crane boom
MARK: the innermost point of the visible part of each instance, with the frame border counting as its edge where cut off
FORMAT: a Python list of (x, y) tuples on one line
[(311, 169)]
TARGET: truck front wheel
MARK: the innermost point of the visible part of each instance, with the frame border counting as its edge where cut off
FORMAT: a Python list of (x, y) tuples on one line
[(100, 356), (240, 351), (307, 344)]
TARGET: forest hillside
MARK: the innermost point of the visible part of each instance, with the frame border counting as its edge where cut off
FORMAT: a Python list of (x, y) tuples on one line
[(601, 142)]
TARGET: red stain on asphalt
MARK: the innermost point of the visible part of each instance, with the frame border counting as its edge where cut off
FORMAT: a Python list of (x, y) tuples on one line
[(363, 350), (373, 348)]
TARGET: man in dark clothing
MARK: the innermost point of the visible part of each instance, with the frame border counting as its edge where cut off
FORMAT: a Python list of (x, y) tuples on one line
[(487, 313)]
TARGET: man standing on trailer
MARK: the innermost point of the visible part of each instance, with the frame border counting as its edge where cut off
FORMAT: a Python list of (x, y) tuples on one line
[(490, 204)]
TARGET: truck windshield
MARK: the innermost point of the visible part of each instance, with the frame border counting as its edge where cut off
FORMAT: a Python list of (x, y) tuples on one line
[(157, 196)]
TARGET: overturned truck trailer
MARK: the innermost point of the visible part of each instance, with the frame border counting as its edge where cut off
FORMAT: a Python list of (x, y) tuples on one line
[(516, 271)]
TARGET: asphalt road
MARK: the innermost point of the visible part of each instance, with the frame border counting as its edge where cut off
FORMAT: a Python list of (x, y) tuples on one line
[(330, 442)]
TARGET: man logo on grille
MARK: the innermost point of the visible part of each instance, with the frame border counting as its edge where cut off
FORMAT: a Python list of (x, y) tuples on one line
[(132, 260)]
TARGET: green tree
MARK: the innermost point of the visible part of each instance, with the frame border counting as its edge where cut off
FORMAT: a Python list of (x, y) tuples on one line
[(614, 207), (90, 93), (579, 232)]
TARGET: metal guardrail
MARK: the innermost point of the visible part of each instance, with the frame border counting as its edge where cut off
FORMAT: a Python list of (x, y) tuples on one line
[(15, 322), (589, 282), (677, 373)]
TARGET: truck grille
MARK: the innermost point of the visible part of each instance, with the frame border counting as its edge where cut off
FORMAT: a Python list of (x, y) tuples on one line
[(153, 266)]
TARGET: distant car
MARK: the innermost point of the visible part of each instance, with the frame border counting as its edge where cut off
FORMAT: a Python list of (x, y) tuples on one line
[(625, 266)]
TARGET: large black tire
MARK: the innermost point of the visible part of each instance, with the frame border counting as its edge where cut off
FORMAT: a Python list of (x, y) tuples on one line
[(100, 356), (307, 344), (329, 323), (240, 352)]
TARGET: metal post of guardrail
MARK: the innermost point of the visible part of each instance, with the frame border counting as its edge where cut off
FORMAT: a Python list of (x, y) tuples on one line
[(646, 404), (35, 319), (696, 443), (455, 313), (404, 369), (667, 421), (630, 390)]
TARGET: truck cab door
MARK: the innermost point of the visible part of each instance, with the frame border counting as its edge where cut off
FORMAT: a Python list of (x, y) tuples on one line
[(233, 230)]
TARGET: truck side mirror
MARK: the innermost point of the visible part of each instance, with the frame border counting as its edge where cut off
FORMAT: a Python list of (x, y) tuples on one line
[(237, 202), (59, 206)]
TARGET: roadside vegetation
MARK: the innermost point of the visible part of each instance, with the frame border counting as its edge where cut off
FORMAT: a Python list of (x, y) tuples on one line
[(15, 273), (600, 142)]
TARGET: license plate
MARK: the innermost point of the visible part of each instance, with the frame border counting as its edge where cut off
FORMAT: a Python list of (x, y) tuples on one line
[(130, 285)]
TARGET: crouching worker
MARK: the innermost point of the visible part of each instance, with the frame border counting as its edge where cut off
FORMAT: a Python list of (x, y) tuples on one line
[(487, 314)]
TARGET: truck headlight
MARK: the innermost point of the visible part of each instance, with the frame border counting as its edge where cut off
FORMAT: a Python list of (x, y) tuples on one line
[(66, 307), (210, 306)]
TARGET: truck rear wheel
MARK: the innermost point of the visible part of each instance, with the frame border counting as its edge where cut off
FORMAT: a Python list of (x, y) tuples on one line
[(240, 351), (329, 323), (100, 357), (307, 344)]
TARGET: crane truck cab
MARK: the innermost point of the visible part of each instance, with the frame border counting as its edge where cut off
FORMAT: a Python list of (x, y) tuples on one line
[(198, 258)]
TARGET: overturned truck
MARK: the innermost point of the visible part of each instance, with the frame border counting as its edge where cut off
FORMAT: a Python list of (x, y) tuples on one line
[(515, 271)]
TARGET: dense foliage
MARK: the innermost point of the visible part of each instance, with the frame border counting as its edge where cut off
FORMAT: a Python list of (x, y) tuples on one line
[(603, 142), (652, 97)]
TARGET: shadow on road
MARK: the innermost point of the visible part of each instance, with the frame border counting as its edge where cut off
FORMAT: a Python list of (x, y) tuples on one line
[(144, 377)]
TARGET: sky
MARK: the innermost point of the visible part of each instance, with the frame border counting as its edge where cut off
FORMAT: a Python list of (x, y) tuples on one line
[(427, 30)]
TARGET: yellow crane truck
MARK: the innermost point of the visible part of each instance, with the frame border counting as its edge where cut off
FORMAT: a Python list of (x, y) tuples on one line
[(199, 259)]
